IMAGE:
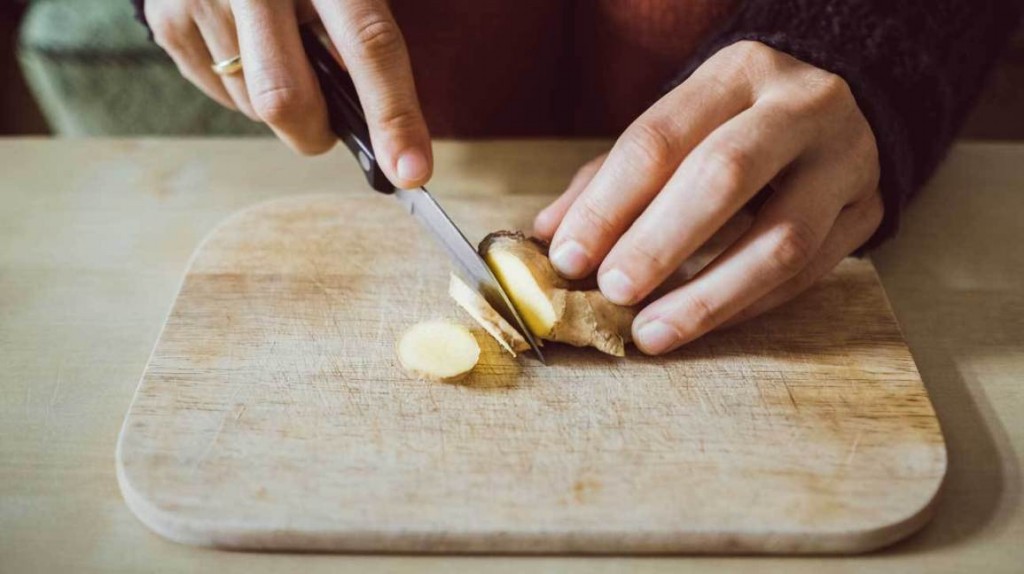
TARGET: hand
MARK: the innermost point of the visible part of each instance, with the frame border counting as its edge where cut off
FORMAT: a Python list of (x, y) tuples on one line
[(277, 84), (748, 117)]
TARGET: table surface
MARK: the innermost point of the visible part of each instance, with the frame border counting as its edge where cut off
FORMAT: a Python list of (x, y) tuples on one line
[(95, 236)]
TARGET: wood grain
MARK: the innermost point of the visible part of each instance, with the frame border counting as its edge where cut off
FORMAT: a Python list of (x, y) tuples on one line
[(273, 414)]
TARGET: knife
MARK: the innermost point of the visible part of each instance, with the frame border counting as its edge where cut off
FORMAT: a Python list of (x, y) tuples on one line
[(349, 124)]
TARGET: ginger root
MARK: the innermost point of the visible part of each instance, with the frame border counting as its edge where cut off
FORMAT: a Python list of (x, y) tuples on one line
[(481, 311), (438, 351), (552, 307)]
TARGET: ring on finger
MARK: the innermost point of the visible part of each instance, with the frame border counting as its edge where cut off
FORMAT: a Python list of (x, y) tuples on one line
[(227, 67)]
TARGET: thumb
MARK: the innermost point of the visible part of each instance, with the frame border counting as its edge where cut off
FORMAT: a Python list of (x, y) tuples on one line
[(373, 49)]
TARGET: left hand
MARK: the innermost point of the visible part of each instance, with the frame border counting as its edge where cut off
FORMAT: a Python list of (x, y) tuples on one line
[(749, 116)]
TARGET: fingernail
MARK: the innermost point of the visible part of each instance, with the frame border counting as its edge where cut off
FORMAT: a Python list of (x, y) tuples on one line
[(617, 287), (570, 259), (412, 166), (656, 337)]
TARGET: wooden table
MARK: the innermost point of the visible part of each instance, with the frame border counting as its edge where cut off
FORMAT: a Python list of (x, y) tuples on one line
[(95, 237)]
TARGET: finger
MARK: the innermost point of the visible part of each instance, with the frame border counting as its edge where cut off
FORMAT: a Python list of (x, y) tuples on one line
[(217, 27), (373, 49), (547, 221), (785, 237), (854, 226), (639, 164), (281, 84), (721, 175), (194, 65), (181, 40)]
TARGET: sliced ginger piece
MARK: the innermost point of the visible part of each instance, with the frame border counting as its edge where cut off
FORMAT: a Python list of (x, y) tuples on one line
[(524, 286), (438, 351), (552, 307), (481, 311)]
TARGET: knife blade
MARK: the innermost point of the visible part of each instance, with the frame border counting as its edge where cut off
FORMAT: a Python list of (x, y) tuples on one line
[(475, 270), (349, 123)]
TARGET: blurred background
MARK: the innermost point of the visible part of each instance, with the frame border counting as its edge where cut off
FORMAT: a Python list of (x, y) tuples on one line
[(86, 68)]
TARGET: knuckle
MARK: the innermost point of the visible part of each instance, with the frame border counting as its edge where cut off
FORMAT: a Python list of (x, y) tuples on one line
[(206, 10), (700, 313), (747, 51), (651, 261), (596, 218), (832, 87), (752, 59), (280, 105), (166, 33), (861, 154), (725, 167), (794, 246), (648, 143), (375, 36), (398, 118), (827, 91)]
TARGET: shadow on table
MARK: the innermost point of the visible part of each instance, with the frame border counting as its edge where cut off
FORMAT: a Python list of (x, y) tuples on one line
[(954, 278)]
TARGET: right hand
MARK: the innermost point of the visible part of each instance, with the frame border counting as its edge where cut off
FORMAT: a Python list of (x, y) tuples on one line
[(277, 84)]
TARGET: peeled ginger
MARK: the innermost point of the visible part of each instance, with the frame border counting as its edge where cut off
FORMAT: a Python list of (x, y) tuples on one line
[(438, 351)]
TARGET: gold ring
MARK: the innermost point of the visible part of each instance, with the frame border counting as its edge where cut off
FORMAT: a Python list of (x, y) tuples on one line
[(227, 67)]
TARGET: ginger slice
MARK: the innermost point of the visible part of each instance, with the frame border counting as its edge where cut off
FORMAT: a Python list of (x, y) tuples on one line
[(481, 311), (438, 351)]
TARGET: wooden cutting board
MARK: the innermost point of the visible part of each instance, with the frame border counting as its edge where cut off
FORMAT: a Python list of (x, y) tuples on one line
[(273, 413)]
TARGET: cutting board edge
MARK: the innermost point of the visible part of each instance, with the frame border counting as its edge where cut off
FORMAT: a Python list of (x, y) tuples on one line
[(229, 535)]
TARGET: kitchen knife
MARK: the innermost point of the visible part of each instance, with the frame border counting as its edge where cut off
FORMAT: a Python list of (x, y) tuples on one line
[(349, 124)]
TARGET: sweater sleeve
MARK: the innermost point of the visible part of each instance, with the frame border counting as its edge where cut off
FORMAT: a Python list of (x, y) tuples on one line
[(914, 66)]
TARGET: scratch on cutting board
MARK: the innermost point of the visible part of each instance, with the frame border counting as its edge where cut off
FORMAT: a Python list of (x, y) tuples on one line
[(55, 395), (320, 394), (209, 446), (220, 429), (382, 322), (853, 448), (761, 400), (789, 392), (328, 298), (438, 409), (420, 285), (312, 383)]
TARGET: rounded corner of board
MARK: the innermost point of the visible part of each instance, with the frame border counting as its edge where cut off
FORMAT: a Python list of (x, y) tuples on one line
[(881, 536), (167, 524)]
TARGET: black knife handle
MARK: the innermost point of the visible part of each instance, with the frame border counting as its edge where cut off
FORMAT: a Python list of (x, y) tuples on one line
[(343, 109)]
